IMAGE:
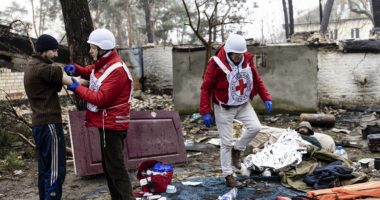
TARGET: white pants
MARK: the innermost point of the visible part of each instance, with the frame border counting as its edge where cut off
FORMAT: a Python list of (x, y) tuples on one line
[(224, 122)]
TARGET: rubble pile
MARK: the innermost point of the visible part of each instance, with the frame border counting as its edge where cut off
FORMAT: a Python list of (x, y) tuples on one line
[(145, 101)]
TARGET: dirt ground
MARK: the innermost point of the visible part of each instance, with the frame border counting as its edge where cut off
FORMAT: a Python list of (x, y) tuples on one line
[(16, 184)]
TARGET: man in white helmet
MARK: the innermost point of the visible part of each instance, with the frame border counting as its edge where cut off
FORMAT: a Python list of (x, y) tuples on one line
[(108, 106), (231, 81)]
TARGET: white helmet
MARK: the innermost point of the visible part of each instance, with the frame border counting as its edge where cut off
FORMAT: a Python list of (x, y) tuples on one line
[(235, 44), (102, 38)]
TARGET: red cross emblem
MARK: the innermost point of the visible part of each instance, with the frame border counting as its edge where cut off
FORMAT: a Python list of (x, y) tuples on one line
[(241, 86)]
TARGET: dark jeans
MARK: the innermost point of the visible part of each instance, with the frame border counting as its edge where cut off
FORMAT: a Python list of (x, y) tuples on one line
[(112, 144), (51, 160)]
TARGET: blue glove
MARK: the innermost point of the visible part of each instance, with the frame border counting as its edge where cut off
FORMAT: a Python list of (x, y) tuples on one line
[(69, 69), (268, 104), (207, 120), (73, 87)]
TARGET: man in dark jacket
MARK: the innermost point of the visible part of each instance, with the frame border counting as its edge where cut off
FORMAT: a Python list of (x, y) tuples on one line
[(42, 81)]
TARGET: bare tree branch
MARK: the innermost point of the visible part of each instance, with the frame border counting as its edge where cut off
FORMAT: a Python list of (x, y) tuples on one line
[(34, 18), (355, 7), (24, 138), (222, 21), (13, 112), (199, 14), (26, 30), (196, 31)]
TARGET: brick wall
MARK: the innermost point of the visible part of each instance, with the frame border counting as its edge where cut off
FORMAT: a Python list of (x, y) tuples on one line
[(12, 84), (349, 80)]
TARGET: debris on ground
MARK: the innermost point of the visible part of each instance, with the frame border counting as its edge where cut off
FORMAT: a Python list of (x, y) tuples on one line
[(203, 158)]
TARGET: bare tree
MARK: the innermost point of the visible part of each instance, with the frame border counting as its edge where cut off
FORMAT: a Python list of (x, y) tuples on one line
[(326, 16), (361, 7), (149, 26), (46, 12), (34, 18), (286, 18), (223, 20), (196, 28), (291, 19), (78, 26), (129, 19), (211, 22), (320, 12)]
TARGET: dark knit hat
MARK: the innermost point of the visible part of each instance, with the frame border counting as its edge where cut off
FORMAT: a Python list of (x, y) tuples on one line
[(46, 42)]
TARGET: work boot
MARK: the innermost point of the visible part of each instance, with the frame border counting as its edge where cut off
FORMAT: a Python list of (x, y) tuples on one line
[(236, 158), (232, 182)]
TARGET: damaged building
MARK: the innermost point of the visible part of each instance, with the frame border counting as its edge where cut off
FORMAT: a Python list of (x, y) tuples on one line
[(14, 52), (300, 77)]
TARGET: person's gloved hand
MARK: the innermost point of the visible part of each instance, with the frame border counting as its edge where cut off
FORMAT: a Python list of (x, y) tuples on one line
[(69, 69), (268, 105), (207, 120), (73, 87)]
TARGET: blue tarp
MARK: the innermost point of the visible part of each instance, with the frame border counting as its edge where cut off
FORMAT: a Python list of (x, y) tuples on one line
[(212, 187), (266, 188)]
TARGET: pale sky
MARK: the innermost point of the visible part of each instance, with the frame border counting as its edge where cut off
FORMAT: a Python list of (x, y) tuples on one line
[(268, 17)]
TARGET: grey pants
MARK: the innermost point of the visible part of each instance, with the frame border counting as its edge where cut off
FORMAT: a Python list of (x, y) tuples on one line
[(224, 122)]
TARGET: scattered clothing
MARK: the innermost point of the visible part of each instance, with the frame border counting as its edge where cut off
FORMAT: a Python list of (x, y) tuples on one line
[(293, 177), (327, 176)]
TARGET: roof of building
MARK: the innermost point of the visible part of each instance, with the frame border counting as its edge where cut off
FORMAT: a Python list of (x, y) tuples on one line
[(12, 43)]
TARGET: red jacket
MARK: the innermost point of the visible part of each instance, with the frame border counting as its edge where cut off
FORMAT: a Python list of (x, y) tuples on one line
[(215, 82), (114, 91)]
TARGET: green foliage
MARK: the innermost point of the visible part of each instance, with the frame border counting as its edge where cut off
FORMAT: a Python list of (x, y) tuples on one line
[(13, 160), (6, 139)]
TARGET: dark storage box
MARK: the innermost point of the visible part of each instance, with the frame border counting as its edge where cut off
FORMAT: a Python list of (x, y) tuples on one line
[(370, 129), (374, 142)]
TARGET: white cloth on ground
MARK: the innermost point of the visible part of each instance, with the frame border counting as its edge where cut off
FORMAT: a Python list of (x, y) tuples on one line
[(286, 151)]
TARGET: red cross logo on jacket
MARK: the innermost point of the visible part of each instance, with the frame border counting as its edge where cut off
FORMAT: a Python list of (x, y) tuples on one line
[(241, 86)]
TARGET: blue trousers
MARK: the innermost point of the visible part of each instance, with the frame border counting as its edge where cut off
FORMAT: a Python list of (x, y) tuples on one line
[(51, 160)]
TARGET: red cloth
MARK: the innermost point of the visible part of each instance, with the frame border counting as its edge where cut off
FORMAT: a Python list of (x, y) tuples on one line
[(159, 182), (115, 91), (215, 82)]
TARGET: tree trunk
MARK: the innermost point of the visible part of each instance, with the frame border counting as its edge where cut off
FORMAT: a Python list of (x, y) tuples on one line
[(291, 19), (78, 26), (208, 48), (129, 18), (320, 12), (286, 19), (149, 28), (326, 16), (215, 22)]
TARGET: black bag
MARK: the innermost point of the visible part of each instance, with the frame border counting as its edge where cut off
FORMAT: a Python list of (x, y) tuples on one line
[(370, 129)]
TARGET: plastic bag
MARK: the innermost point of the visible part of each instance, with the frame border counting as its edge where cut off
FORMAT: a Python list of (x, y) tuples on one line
[(229, 195)]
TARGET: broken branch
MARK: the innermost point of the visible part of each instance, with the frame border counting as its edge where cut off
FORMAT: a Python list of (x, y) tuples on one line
[(24, 138)]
